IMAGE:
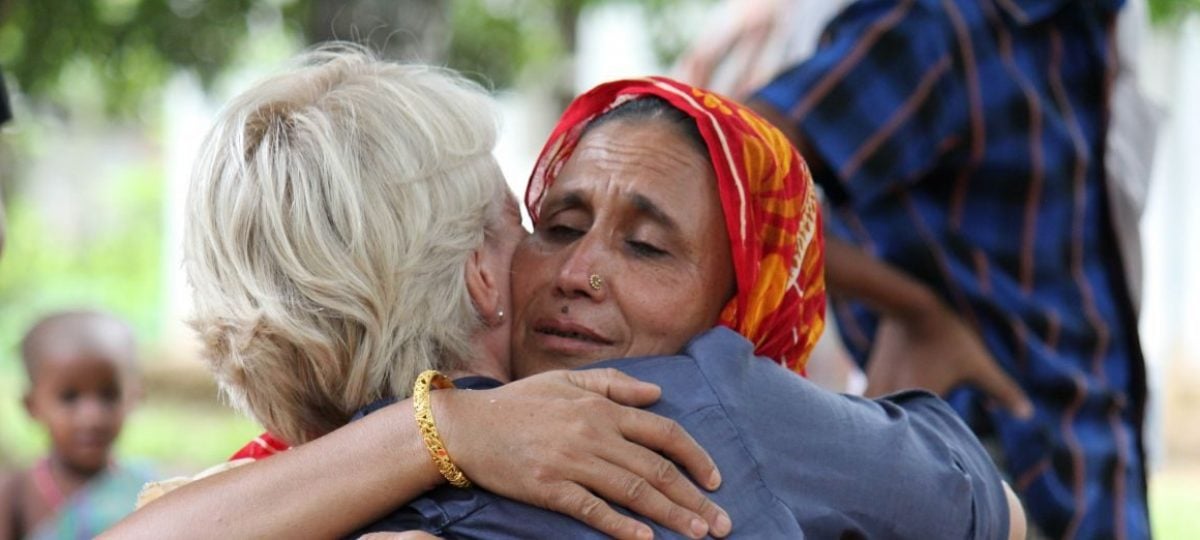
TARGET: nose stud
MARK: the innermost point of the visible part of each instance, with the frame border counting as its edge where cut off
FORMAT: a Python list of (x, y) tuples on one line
[(596, 282)]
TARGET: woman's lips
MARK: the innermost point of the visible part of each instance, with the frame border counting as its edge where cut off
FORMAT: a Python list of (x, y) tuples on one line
[(567, 336)]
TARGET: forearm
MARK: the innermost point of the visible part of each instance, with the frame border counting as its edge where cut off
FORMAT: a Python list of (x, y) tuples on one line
[(326, 488), (851, 272)]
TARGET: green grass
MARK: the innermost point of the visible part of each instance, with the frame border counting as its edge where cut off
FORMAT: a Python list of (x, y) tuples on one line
[(1175, 503)]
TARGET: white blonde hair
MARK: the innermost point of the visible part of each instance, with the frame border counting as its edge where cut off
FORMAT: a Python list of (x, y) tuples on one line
[(331, 212)]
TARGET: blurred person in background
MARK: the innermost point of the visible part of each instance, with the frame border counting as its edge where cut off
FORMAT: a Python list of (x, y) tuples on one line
[(963, 146), (745, 43), (83, 381)]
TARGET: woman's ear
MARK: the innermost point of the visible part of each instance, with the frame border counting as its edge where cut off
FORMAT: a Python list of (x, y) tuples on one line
[(483, 286)]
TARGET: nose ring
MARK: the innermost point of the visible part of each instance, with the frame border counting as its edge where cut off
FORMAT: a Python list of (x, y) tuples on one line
[(595, 281)]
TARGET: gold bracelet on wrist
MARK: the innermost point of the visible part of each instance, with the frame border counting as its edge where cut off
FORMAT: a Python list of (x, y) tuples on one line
[(433, 442)]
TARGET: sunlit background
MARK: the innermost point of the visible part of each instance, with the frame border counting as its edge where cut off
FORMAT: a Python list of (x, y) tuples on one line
[(111, 98)]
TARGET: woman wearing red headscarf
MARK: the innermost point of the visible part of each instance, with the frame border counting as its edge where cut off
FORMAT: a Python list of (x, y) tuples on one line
[(660, 212)]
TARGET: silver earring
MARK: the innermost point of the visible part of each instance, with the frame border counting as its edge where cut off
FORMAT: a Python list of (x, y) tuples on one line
[(500, 316)]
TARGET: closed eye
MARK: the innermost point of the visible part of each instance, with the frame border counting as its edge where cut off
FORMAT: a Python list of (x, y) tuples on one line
[(646, 250), (563, 233)]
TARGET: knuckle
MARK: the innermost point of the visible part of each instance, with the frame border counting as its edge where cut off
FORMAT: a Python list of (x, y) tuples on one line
[(559, 497), (672, 430), (590, 508), (665, 472), (635, 488), (704, 506), (542, 473), (580, 429), (677, 515)]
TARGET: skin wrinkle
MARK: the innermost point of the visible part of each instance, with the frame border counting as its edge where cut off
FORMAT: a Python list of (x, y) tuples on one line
[(648, 304)]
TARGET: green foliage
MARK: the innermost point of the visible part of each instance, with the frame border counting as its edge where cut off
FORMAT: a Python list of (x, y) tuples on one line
[(130, 47), (133, 45), (1173, 503), (113, 264), (1172, 10), (494, 40)]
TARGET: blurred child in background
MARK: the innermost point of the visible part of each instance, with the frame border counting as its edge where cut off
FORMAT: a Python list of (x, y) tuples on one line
[(82, 382)]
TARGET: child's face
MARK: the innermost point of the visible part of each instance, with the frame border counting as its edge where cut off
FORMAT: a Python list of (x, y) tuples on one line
[(82, 401)]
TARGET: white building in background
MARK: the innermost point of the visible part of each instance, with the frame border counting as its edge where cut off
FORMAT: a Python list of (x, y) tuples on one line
[(1171, 226)]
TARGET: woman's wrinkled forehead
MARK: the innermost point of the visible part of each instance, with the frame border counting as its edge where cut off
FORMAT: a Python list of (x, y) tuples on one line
[(647, 166), (771, 213), (623, 108)]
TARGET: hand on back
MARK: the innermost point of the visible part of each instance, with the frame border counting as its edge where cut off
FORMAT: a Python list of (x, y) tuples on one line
[(569, 440), (935, 350)]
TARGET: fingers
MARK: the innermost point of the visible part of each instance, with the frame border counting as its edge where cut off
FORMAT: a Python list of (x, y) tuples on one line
[(639, 494), (997, 384), (616, 386), (666, 436), (406, 535), (674, 501), (579, 503)]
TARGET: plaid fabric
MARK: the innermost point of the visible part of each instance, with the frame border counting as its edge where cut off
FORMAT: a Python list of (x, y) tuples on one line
[(966, 140), (768, 198)]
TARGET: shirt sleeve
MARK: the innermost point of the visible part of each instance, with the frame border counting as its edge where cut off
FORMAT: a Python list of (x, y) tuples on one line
[(934, 419), (877, 101)]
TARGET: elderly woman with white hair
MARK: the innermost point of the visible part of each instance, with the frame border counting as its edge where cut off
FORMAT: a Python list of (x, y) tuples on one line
[(348, 229)]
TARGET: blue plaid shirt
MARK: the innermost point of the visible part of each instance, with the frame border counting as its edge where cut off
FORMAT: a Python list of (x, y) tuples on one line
[(965, 142)]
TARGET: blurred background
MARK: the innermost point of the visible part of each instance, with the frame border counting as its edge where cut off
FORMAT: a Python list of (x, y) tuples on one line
[(111, 98)]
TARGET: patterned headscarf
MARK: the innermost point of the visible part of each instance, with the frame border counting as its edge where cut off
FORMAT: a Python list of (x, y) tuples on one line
[(767, 194)]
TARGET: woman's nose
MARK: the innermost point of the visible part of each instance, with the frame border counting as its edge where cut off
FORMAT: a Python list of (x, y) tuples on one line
[(581, 275)]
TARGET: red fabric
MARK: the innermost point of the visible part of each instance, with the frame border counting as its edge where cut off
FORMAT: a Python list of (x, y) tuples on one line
[(266, 445), (771, 210)]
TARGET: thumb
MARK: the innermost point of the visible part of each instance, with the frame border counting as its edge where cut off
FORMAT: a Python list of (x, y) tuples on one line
[(616, 386), (997, 384)]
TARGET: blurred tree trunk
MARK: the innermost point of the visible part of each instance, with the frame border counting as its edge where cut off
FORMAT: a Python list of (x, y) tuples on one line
[(566, 15), (404, 30)]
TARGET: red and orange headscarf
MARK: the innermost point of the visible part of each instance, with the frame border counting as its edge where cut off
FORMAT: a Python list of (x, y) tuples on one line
[(767, 194)]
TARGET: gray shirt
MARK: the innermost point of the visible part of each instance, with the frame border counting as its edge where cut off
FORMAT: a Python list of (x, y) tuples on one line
[(795, 460)]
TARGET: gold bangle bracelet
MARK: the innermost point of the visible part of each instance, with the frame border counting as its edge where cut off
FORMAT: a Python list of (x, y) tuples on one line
[(424, 414)]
